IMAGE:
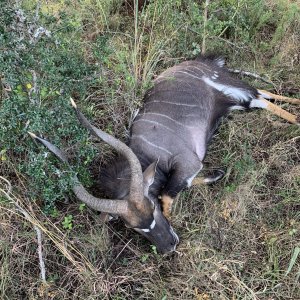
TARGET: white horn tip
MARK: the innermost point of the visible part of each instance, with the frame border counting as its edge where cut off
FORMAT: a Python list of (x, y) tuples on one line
[(32, 135), (73, 102)]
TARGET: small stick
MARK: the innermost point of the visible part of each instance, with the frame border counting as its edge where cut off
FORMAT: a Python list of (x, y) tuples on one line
[(40, 253), (37, 10), (204, 27), (39, 239), (32, 93), (37, 229), (250, 74)]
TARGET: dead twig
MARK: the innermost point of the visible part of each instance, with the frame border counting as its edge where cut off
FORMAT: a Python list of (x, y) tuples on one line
[(37, 11), (38, 231), (33, 91), (204, 27), (40, 253), (229, 42), (250, 74)]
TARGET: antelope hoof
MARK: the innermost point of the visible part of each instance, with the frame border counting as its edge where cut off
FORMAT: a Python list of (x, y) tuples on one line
[(212, 178), (215, 176)]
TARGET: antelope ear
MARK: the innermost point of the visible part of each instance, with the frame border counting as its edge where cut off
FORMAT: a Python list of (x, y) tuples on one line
[(148, 176)]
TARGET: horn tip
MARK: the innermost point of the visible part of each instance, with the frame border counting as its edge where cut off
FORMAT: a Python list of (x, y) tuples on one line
[(73, 102), (32, 135)]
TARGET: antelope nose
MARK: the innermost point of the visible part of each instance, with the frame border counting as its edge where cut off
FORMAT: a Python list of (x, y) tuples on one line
[(173, 245), (174, 242), (169, 250)]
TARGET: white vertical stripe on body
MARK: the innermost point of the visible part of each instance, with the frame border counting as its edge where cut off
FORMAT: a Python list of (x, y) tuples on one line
[(150, 143)]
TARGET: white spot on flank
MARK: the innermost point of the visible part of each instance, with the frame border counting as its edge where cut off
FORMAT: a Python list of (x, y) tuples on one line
[(151, 144), (146, 230), (231, 91), (220, 62)]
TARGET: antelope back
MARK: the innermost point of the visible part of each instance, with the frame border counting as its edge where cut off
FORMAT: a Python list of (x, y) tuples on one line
[(183, 109)]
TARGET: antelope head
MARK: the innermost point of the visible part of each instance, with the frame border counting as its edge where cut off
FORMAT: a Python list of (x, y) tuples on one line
[(137, 210)]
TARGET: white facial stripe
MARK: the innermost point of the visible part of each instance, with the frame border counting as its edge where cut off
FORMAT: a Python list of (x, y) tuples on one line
[(152, 225)]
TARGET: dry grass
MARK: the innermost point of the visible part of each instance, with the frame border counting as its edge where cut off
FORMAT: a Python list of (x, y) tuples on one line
[(239, 237)]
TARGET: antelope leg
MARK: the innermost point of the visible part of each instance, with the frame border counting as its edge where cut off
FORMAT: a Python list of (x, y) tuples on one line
[(268, 95), (275, 109), (167, 202), (217, 175)]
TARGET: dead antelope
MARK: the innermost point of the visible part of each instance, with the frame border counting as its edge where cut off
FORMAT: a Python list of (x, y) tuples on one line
[(168, 142)]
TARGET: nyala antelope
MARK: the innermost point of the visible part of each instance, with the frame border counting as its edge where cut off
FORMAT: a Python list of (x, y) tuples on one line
[(167, 145)]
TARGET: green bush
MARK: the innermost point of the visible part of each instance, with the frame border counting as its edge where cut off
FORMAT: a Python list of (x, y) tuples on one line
[(42, 75)]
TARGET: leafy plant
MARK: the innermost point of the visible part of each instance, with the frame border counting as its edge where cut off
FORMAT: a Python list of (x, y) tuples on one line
[(37, 100), (82, 207), (68, 222)]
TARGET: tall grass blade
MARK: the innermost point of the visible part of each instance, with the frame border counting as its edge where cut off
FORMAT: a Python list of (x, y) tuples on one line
[(293, 260)]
